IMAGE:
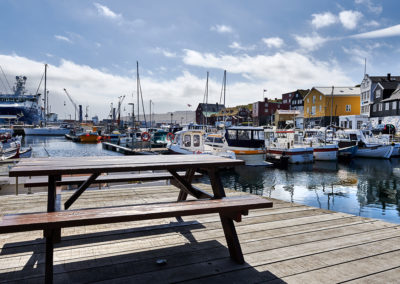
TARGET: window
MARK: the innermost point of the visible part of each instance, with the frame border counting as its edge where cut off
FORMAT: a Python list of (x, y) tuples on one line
[(187, 140), (378, 93), (308, 110), (196, 140), (266, 105), (348, 108), (374, 108), (380, 107), (320, 108), (359, 124), (350, 124), (386, 106), (244, 135), (284, 101), (313, 99), (394, 105), (313, 110), (232, 134), (320, 98)]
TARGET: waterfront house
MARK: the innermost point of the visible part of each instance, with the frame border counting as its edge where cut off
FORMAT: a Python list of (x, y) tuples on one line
[(238, 115), (263, 112), (323, 105), (205, 111), (384, 105), (296, 99), (367, 88)]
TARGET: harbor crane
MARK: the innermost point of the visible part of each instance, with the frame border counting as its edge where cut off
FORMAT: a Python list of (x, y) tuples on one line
[(72, 101)]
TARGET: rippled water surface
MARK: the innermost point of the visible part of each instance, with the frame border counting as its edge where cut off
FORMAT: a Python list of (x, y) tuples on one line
[(365, 187)]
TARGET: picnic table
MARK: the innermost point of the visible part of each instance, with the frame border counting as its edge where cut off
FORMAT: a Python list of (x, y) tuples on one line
[(55, 168)]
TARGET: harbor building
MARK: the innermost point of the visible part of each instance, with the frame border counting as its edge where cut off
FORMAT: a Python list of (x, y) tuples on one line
[(205, 111), (386, 104), (324, 105), (264, 111), (367, 88)]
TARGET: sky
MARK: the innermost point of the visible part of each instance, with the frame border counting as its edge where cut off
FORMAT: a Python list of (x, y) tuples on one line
[(266, 47)]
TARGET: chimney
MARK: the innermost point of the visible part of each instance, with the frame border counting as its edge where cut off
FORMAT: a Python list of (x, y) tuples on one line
[(265, 100), (388, 77)]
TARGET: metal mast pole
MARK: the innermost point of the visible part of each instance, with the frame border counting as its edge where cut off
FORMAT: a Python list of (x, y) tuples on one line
[(150, 115), (331, 105), (137, 91), (45, 94), (207, 99)]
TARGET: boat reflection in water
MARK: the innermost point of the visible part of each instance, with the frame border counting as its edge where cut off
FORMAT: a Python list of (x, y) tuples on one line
[(364, 187)]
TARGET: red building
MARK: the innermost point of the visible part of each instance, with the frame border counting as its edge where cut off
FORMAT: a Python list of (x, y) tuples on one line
[(263, 112)]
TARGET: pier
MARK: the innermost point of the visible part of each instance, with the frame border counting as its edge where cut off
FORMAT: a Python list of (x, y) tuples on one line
[(287, 243)]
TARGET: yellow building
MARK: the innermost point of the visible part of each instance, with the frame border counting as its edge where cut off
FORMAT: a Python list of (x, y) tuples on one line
[(322, 103)]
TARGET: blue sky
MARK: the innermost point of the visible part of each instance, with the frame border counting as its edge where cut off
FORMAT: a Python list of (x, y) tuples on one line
[(92, 48)]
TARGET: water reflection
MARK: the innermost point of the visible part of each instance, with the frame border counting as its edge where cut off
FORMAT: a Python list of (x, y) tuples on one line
[(364, 187)]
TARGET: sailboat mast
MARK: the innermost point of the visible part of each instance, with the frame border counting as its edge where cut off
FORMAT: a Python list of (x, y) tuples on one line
[(45, 94), (137, 91), (224, 85), (206, 99)]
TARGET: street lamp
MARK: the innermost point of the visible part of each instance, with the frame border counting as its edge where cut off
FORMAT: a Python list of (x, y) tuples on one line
[(171, 118), (264, 91)]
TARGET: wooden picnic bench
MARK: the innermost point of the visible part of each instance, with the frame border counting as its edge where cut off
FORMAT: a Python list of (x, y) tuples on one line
[(229, 208), (115, 178)]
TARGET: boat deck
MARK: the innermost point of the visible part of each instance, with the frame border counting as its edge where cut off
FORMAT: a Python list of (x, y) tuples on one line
[(288, 243)]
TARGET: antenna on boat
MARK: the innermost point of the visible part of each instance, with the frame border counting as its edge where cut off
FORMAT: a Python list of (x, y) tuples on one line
[(6, 79), (45, 95)]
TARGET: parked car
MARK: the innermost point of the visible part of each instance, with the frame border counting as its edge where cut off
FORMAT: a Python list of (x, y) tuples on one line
[(384, 129)]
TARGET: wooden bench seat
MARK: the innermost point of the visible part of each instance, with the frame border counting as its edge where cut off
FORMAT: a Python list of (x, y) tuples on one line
[(229, 208), (114, 178)]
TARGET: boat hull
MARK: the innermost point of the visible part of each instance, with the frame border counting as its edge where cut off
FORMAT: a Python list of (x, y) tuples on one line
[(379, 152), (326, 153), (296, 155)]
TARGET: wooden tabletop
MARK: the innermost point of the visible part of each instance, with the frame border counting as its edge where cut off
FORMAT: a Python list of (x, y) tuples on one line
[(104, 164)]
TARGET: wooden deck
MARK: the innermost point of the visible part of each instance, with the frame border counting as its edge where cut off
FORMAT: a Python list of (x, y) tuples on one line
[(288, 243)]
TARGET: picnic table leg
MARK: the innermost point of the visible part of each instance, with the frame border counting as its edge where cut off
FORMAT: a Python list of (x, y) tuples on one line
[(49, 257), (188, 177), (231, 237)]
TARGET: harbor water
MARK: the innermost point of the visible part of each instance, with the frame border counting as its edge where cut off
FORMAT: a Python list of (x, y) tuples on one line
[(364, 187)]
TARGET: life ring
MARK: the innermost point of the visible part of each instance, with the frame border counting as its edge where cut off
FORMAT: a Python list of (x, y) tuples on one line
[(170, 136), (145, 136)]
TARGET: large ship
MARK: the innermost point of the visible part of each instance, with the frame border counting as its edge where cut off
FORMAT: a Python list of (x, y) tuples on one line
[(19, 106)]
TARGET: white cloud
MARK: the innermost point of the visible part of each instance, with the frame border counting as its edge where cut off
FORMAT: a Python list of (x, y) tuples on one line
[(222, 29), (164, 52), (276, 42), (62, 38), (280, 72), (310, 43), (372, 24), (386, 32), (350, 19), (323, 20), (106, 12), (371, 6), (237, 46)]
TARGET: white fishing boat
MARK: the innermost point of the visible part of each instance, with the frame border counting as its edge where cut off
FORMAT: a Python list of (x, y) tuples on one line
[(281, 144), (324, 148), (368, 146), (193, 142)]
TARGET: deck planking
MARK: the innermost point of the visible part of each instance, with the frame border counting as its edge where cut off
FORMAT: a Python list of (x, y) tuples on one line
[(288, 243)]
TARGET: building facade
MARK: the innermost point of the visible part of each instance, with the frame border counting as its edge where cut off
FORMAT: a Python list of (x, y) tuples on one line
[(263, 112), (367, 88), (324, 105), (205, 111)]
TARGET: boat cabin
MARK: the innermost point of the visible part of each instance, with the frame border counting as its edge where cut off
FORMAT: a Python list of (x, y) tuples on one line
[(251, 137), (190, 140)]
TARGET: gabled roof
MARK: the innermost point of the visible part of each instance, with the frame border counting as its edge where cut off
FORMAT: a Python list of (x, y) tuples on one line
[(389, 85), (377, 79), (338, 91), (211, 107), (303, 93), (395, 96)]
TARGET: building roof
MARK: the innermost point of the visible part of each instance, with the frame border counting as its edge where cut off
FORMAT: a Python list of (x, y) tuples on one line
[(211, 107), (392, 85), (378, 79), (285, 111), (395, 96), (338, 91)]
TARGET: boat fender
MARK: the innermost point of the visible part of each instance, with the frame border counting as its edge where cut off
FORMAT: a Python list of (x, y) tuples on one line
[(170, 136), (145, 136)]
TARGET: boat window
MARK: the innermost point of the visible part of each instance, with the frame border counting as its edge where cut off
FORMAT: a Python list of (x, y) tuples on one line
[(209, 139), (232, 134), (244, 135), (353, 137), (218, 140), (177, 138), (187, 140), (196, 140), (258, 135)]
